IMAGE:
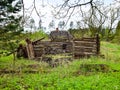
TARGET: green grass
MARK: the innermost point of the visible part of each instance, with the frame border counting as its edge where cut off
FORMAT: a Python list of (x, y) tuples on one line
[(38, 35), (63, 77)]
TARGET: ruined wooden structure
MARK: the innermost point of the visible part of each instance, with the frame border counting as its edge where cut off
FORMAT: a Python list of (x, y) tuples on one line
[(86, 47), (62, 42)]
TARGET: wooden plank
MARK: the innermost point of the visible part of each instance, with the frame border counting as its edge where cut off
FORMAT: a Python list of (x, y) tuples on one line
[(37, 46), (89, 39), (98, 44), (44, 43), (85, 50), (87, 44), (83, 42), (30, 51), (39, 53), (84, 53), (38, 50), (86, 39), (84, 47)]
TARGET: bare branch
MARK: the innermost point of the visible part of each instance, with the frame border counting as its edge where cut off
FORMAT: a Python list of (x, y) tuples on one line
[(36, 9), (82, 4), (69, 16)]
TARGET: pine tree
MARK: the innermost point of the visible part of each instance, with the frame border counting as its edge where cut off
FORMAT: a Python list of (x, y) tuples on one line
[(10, 22)]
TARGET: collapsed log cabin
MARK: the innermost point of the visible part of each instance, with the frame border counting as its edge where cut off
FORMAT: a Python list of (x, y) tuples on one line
[(63, 42)]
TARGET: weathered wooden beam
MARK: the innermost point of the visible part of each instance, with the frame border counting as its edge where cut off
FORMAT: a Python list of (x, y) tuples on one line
[(98, 44), (84, 42), (84, 53), (86, 50), (30, 49), (86, 39), (38, 46), (39, 40), (84, 47)]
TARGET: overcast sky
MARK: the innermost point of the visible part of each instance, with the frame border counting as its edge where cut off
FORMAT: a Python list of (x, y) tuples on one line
[(44, 8)]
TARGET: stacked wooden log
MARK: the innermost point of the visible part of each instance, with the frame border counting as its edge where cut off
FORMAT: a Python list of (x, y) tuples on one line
[(48, 47), (86, 47)]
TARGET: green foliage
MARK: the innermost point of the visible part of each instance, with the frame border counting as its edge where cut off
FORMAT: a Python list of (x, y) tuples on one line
[(10, 26), (8, 46), (37, 35), (117, 34), (79, 33), (106, 35)]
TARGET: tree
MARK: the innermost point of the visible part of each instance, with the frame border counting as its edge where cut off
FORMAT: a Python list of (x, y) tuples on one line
[(78, 24), (113, 17), (40, 24), (69, 7), (10, 22), (61, 24), (71, 24), (52, 24), (9, 19), (94, 19), (118, 29), (117, 33), (32, 24)]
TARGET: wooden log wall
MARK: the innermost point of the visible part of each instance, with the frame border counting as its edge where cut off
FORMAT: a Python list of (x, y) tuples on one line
[(38, 50), (48, 47), (86, 47)]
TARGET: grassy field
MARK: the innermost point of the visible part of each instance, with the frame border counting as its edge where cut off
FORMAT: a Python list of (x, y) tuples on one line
[(69, 76)]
